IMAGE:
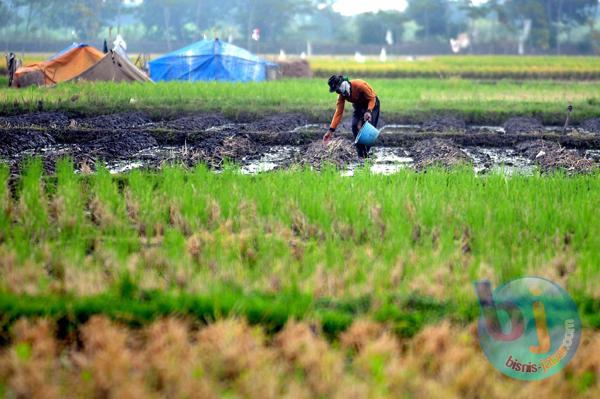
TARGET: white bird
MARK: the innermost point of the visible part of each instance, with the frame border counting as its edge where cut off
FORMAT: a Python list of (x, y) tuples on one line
[(359, 58), (383, 55)]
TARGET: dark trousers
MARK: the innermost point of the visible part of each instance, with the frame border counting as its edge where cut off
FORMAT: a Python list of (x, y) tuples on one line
[(358, 118)]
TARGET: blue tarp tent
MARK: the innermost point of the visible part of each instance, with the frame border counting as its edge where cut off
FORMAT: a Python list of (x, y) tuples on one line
[(71, 47), (210, 60)]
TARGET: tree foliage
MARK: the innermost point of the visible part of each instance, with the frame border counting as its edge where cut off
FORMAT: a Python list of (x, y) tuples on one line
[(284, 20)]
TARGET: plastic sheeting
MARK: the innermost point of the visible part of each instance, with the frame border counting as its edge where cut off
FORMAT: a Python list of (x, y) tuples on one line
[(120, 46), (113, 68), (62, 68), (71, 47), (210, 60)]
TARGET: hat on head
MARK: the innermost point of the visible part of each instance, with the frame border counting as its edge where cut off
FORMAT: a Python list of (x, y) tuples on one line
[(334, 82)]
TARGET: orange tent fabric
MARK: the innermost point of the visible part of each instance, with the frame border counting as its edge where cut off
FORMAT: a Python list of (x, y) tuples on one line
[(60, 69)]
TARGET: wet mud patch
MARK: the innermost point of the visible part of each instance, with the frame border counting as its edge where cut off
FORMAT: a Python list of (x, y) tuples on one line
[(438, 152), (125, 120), (591, 125), (444, 123), (120, 144), (15, 142), (522, 125), (550, 156), (49, 156), (339, 152), (215, 150), (503, 160), (51, 120), (195, 122), (278, 123)]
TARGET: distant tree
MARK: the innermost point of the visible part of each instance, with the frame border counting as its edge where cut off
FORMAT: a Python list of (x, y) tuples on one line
[(272, 17), (85, 17), (372, 27), (183, 19), (4, 14), (549, 18), (432, 17)]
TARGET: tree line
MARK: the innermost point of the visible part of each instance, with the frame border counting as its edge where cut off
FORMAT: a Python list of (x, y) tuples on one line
[(552, 23)]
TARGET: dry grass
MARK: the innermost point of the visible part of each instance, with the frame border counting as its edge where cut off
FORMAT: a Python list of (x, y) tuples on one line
[(173, 359)]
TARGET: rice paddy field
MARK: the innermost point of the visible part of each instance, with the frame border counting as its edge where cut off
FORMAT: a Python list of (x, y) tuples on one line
[(468, 67), (190, 281), (403, 100)]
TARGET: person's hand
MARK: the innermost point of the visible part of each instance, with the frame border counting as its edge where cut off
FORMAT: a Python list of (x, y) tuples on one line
[(368, 116), (328, 136)]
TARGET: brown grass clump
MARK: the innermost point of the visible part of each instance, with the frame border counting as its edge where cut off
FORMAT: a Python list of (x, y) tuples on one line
[(231, 351), (31, 365), (172, 366), (197, 242), (60, 214), (338, 152), (360, 333), (177, 219), (102, 215), (19, 278), (108, 363), (300, 346), (229, 358)]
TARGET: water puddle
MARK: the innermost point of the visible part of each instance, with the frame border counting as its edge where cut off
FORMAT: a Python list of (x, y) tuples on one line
[(594, 155), (311, 127), (383, 160), (273, 158), (505, 160)]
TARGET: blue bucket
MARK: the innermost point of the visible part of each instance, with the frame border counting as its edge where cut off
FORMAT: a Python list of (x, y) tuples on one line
[(367, 135)]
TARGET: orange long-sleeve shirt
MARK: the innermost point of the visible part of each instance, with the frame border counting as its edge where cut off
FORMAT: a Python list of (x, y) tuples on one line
[(361, 93)]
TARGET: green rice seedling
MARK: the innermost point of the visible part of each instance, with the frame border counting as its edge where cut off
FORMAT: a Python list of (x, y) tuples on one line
[(69, 200), (403, 248), (32, 210), (5, 202), (109, 212), (143, 207)]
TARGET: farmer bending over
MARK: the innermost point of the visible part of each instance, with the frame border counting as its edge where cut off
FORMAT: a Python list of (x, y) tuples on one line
[(365, 103)]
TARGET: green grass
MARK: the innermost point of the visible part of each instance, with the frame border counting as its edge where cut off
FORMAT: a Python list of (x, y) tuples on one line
[(402, 100), (403, 248), (471, 67)]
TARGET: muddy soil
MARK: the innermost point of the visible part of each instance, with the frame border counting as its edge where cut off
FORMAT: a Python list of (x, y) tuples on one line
[(120, 144), (13, 143), (444, 123), (278, 123), (551, 156), (52, 120), (438, 152), (591, 125), (215, 150), (522, 125), (125, 120), (195, 122), (339, 152), (212, 138)]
